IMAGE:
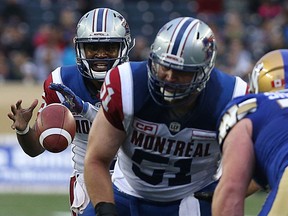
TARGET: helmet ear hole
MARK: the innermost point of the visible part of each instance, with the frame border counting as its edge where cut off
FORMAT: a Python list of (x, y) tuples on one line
[(101, 25)]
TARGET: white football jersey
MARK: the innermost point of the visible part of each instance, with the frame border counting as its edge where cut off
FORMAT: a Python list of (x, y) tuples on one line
[(70, 77), (165, 158)]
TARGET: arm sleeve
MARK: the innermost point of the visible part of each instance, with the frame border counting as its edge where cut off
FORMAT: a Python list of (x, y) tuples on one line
[(48, 96), (112, 99)]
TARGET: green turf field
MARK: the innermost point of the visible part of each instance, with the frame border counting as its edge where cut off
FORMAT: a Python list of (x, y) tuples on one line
[(254, 203), (57, 205), (34, 205)]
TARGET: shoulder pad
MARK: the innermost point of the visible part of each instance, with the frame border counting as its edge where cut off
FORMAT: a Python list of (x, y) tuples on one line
[(234, 114)]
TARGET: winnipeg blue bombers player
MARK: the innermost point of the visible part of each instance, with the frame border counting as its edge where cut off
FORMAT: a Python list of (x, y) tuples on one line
[(254, 138), (161, 115), (102, 42)]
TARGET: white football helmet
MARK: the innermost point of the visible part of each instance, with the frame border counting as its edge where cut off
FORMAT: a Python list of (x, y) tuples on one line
[(270, 73), (184, 44), (102, 25)]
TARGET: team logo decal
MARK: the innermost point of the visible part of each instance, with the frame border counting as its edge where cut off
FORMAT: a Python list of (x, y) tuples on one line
[(124, 24), (209, 44)]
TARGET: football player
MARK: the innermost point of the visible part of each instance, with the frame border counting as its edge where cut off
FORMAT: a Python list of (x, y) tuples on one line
[(161, 116), (102, 42), (253, 135)]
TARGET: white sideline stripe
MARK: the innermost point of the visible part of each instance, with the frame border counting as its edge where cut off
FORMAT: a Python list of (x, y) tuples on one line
[(52, 131)]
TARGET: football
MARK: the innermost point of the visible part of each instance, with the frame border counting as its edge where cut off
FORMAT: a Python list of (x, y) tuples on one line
[(55, 127)]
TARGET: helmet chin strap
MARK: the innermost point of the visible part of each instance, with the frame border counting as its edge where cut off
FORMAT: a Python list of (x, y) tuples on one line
[(98, 75)]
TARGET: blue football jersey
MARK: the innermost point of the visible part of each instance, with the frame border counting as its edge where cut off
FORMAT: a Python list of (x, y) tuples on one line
[(268, 113)]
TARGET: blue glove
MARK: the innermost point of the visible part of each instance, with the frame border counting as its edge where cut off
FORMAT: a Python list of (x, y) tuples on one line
[(72, 101)]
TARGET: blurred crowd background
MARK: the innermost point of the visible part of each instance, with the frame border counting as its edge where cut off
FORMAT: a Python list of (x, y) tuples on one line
[(36, 36)]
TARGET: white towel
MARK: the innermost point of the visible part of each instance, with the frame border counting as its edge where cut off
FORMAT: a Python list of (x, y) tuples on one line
[(189, 204), (81, 198)]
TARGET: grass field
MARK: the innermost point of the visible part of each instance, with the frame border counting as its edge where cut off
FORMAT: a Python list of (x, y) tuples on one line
[(34, 205), (254, 203), (57, 205)]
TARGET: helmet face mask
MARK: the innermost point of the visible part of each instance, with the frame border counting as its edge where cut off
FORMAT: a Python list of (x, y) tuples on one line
[(167, 93), (269, 73), (105, 26), (186, 45), (100, 57)]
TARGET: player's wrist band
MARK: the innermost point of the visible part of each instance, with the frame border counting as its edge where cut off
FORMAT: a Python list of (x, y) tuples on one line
[(25, 131), (105, 209), (89, 111)]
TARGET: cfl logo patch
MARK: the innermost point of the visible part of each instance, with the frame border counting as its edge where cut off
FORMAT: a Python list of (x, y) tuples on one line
[(174, 127)]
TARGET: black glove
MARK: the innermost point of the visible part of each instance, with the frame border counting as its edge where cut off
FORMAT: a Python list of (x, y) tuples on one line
[(206, 196), (105, 209)]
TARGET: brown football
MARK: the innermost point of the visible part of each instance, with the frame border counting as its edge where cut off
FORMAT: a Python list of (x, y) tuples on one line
[(55, 127)]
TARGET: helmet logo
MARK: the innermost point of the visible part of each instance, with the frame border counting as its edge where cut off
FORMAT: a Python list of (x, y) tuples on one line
[(258, 68), (124, 24), (209, 44)]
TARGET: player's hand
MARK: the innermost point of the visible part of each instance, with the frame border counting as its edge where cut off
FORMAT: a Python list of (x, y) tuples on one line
[(21, 116), (72, 101)]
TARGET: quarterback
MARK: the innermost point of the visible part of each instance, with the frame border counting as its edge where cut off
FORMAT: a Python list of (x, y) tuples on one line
[(102, 42)]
